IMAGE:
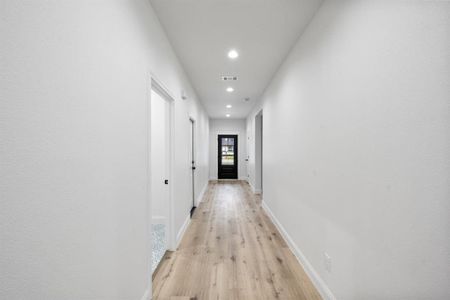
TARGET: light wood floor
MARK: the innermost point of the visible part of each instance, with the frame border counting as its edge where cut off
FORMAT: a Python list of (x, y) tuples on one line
[(231, 250)]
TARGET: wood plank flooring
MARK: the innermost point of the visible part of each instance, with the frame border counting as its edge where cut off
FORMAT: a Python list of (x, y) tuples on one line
[(231, 250)]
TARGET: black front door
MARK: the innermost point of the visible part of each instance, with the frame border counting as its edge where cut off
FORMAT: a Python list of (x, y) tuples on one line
[(228, 157)]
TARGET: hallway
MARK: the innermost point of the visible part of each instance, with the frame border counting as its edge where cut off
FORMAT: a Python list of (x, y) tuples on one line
[(330, 121), (232, 251)]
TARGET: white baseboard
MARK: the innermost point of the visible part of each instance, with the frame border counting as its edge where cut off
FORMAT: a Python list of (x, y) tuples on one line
[(188, 218), (182, 230), (202, 193), (147, 294), (251, 186), (320, 285), (159, 220), (254, 190)]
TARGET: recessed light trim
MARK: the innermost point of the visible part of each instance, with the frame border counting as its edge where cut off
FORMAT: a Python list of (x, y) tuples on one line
[(230, 89), (227, 115), (233, 54), (229, 106)]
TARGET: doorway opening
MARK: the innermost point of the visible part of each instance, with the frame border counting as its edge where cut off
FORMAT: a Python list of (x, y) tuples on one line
[(259, 153), (227, 156), (193, 164), (160, 172)]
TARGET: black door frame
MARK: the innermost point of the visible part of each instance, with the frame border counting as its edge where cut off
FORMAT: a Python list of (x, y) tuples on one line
[(219, 156)]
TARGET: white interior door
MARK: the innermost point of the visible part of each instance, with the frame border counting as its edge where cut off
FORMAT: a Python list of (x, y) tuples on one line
[(193, 163), (259, 153), (159, 161)]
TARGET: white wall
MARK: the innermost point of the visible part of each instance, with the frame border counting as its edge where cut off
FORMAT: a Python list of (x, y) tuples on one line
[(228, 126), (74, 90), (357, 148)]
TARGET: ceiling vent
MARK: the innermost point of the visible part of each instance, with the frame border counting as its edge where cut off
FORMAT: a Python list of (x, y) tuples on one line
[(229, 78)]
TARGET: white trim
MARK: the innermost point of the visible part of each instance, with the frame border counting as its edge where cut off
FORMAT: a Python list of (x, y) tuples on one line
[(147, 294), (157, 85), (318, 282), (251, 186), (159, 220), (182, 231), (193, 157), (163, 91), (226, 133), (255, 191), (202, 193), (148, 190)]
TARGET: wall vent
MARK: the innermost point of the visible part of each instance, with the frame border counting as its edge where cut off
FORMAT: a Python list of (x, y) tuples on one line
[(229, 78)]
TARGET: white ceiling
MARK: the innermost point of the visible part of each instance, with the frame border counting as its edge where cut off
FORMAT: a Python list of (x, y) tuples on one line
[(203, 31)]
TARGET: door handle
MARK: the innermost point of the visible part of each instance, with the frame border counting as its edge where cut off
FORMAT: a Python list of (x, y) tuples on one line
[(166, 181), (193, 168)]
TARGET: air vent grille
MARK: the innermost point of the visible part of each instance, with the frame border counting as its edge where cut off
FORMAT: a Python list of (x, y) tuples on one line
[(229, 78)]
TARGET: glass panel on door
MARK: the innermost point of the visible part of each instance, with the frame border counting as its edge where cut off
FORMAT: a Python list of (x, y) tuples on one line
[(228, 151)]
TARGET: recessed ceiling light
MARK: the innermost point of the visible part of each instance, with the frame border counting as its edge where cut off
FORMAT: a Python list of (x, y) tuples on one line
[(230, 89), (233, 54), (227, 115), (229, 106)]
